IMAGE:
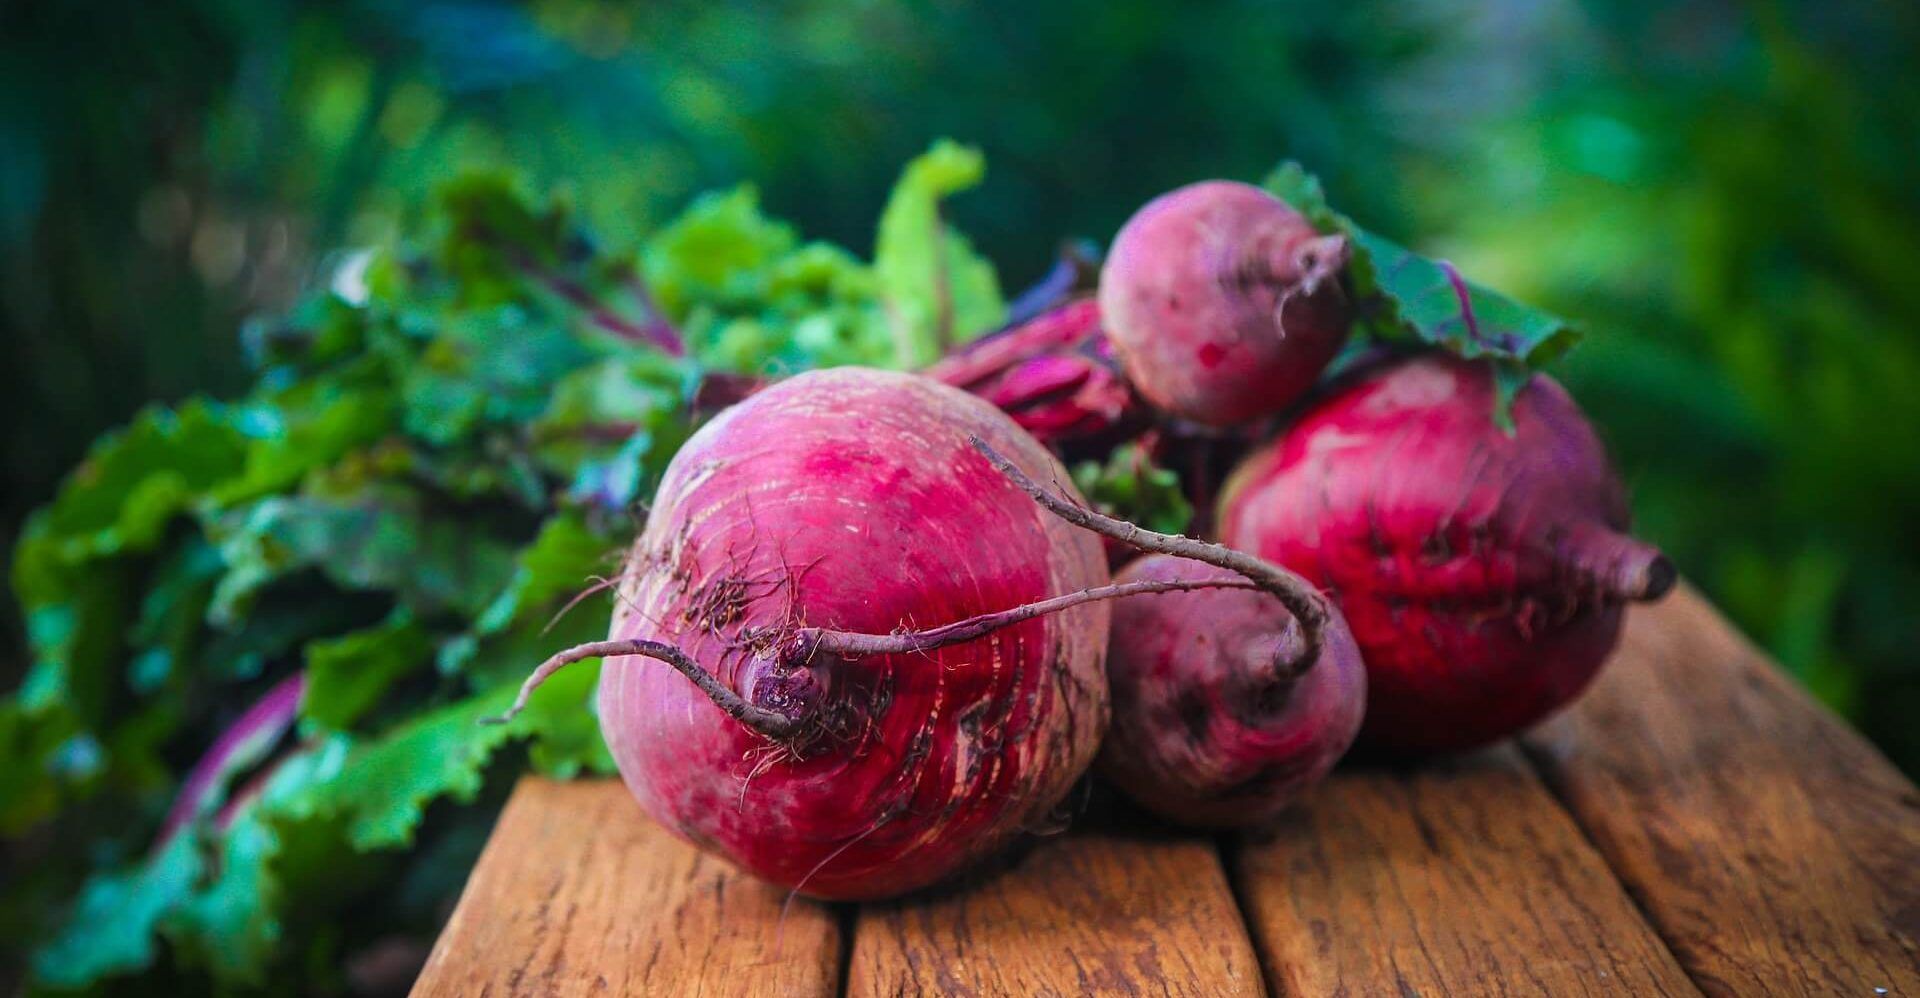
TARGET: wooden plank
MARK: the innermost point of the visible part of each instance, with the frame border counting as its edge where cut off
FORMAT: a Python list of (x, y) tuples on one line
[(578, 892), (1462, 877), (1773, 848), (1089, 913)]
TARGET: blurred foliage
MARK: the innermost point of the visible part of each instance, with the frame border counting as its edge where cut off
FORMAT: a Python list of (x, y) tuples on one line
[(442, 445), (1724, 195)]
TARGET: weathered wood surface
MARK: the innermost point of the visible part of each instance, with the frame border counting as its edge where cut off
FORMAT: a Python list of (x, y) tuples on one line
[(578, 893), (1701, 825), (1464, 877), (1774, 850), (1082, 914)]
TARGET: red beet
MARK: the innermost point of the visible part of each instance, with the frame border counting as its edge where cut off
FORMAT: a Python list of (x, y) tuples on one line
[(1223, 303), (851, 499), (1482, 573), (1214, 722)]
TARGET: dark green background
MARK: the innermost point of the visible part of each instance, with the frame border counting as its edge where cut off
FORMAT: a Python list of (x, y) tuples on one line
[(1724, 195)]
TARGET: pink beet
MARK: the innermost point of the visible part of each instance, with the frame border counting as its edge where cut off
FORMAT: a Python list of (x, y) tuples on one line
[(1214, 724), (1223, 303), (1483, 574), (851, 499)]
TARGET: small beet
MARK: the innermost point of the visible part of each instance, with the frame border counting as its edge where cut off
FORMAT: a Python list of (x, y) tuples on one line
[(1214, 725), (1483, 572), (1223, 303)]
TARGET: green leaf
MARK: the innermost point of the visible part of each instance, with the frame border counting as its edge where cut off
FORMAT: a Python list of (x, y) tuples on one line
[(559, 564), (492, 367), (749, 297), (347, 675), (1409, 298), (30, 789), (306, 428), (112, 927), (384, 786), (382, 540), (595, 411), (938, 290), (718, 252), (172, 614), (494, 234), (1130, 486), (123, 496), (1290, 182)]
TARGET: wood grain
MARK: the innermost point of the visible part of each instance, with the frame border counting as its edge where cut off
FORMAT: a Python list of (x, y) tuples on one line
[(580, 893), (1089, 913), (1773, 848), (1463, 877)]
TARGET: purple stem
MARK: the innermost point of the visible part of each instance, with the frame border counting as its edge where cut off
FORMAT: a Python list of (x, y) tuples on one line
[(655, 332), (244, 743), (1461, 292), (852, 644)]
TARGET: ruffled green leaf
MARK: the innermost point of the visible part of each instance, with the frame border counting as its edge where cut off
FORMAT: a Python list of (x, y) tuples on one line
[(1405, 297), (347, 675)]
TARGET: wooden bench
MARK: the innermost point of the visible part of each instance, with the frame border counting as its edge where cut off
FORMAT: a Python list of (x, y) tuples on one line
[(1695, 824)]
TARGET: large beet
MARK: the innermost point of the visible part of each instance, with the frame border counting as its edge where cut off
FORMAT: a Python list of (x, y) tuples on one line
[(1482, 573), (852, 500)]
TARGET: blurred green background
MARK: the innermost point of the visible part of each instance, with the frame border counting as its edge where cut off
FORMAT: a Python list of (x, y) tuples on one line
[(1725, 195)]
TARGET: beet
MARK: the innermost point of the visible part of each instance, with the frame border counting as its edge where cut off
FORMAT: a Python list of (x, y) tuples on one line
[(851, 499), (1483, 573), (1214, 722), (1223, 302)]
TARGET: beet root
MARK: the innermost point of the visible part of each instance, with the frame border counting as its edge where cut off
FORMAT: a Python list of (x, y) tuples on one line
[(1482, 573), (1223, 302), (1214, 725), (851, 499)]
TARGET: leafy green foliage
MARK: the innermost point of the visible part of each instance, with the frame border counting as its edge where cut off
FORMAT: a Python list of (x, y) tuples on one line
[(1131, 486), (1405, 297), (430, 467)]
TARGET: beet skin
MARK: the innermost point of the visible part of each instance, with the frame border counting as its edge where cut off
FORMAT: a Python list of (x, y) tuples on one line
[(1483, 574), (1213, 724), (851, 499)]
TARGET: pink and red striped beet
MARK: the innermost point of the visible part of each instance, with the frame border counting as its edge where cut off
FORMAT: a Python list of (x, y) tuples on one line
[(852, 499)]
